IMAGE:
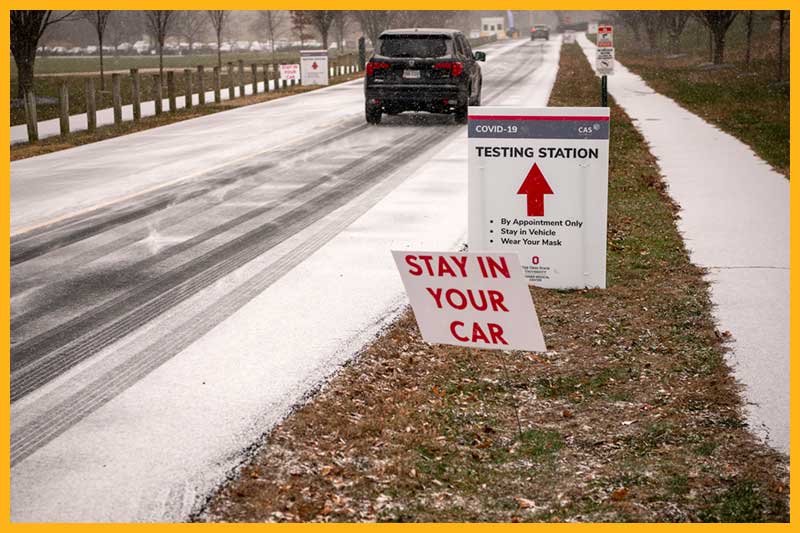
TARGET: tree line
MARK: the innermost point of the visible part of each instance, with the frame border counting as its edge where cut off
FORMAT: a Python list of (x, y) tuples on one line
[(28, 27), (648, 27)]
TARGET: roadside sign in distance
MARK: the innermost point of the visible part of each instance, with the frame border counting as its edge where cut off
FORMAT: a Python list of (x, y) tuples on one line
[(591, 29), (604, 61), (314, 67), (290, 71), (538, 186), (569, 37), (605, 36), (478, 300)]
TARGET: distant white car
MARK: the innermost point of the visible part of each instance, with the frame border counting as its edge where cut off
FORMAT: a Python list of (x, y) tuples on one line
[(141, 47), (225, 47), (255, 46), (91, 49), (124, 47)]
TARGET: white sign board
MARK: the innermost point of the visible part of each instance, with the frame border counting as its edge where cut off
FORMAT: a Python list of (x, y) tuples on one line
[(477, 300), (569, 37), (591, 29), (290, 72), (538, 185), (604, 63), (605, 36), (314, 67)]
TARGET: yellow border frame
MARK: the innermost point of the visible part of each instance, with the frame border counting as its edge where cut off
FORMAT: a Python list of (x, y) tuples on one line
[(393, 4)]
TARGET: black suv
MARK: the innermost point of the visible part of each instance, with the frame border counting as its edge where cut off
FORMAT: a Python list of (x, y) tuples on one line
[(540, 31), (419, 69)]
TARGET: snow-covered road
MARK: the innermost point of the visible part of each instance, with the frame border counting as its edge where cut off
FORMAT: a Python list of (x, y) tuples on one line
[(735, 222), (175, 292)]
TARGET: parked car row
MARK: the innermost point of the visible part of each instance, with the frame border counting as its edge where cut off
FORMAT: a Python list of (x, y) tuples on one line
[(145, 48)]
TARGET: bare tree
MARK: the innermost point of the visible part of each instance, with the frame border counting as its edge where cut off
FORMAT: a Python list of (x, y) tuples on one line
[(633, 20), (653, 23), (268, 23), (99, 20), (299, 23), (124, 26), (27, 27), (340, 20), (675, 23), (218, 19), (321, 20), (159, 24), (748, 28), (191, 24), (373, 23), (718, 23), (783, 19)]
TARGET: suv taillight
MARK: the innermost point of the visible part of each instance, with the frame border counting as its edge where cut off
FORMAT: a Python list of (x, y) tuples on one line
[(372, 66), (455, 67)]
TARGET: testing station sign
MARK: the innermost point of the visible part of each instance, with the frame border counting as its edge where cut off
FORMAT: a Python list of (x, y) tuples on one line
[(314, 67), (476, 300), (538, 186)]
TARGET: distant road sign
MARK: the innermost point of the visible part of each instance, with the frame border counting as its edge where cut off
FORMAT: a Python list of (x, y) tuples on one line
[(314, 67), (538, 185), (290, 72), (591, 29), (605, 36), (569, 37), (478, 300), (604, 63)]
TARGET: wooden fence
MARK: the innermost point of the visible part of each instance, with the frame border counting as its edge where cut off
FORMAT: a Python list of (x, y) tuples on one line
[(193, 82)]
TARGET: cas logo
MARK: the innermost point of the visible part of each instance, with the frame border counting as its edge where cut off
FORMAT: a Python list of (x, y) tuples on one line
[(588, 130)]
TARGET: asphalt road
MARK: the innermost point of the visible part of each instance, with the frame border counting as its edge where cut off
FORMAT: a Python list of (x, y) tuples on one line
[(150, 276)]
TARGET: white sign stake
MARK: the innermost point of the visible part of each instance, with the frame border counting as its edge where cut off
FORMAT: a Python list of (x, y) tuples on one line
[(538, 186), (477, 300)]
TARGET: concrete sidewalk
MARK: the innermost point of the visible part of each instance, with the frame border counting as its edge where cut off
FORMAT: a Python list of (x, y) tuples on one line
[(735, 222)]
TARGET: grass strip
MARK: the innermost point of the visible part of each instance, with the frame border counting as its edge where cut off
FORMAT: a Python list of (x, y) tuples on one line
[(632, 416)]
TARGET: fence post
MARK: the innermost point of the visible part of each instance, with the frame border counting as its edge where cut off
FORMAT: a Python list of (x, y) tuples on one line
[(276, 73), (217, 86), (30, 116), (136, 97), (187, 79), (171, 90), (254, 72), (241, 77), (63, 104), (201, 86), (231, 93), (91, 107), (116, 98), (265, 66), (158, 94)]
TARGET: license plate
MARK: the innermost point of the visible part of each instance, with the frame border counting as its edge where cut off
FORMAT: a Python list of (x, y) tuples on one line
[(413, 74)]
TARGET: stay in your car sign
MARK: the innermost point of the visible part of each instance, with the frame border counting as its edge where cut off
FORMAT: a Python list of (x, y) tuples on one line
[(538, 185)]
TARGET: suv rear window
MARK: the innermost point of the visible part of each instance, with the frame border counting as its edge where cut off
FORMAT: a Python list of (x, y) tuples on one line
[(413, 46)]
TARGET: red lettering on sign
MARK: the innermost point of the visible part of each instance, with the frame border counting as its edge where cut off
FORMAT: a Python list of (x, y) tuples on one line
[(461, 263), (478, 334), (416, 270), (453, 327), (497, 301), (496, 331), (437, 296), (495, 268)]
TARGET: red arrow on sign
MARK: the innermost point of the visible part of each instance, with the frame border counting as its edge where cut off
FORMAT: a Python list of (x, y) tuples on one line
[(535, 187), (314, 65)]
